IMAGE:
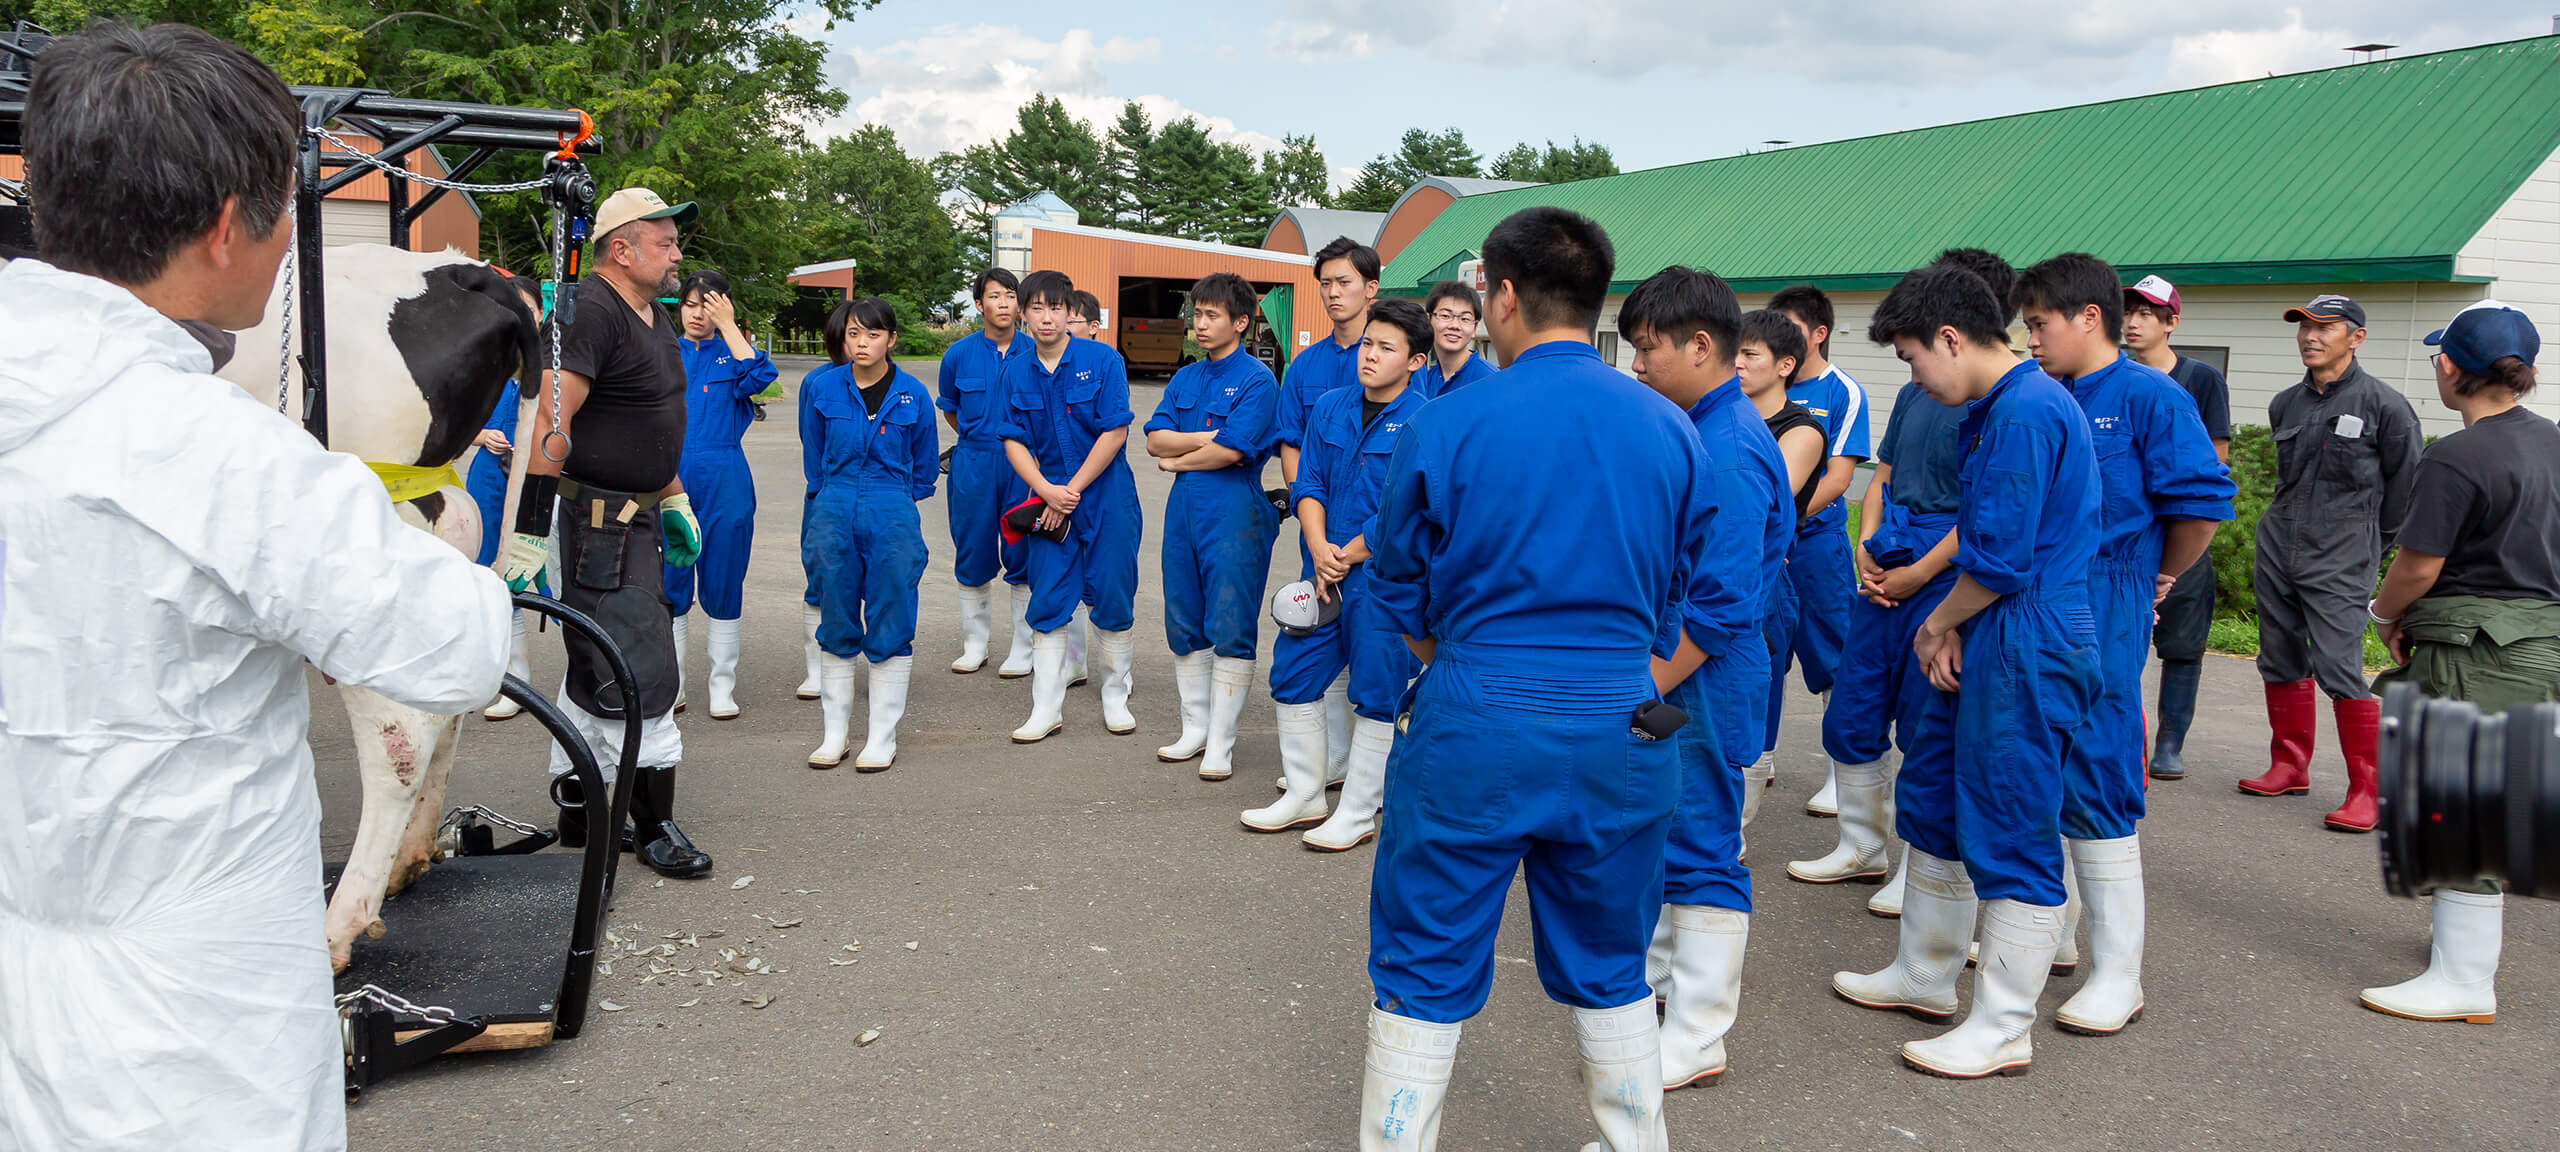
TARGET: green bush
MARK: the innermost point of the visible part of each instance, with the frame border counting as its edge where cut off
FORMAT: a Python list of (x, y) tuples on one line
[(2235, 547)]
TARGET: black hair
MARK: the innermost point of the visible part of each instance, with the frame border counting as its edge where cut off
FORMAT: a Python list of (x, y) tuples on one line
[(996, 276), (1047, 287), (1558, 261), (1227, 292), (1995, 272), (1771, 329), (869, 312), (705, 281), (1811, 308), (1940, 296), (2509, 372), (1678, 303), (1085, 304), (836, 325), (1408, 318), (2070, 283), (1363, 258), (136, 137), (1457, 290)]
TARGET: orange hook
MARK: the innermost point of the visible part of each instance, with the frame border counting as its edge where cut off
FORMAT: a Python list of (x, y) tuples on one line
[(586, 128)]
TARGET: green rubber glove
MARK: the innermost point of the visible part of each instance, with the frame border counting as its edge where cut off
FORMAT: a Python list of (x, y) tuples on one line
[(526, 556), (681, 532)]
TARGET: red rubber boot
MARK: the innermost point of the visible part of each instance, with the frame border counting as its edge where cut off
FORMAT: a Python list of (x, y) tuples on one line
[(2359, 739), (2293, 713)]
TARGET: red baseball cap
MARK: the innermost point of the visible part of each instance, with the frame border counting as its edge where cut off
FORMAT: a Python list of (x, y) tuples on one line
[(2154, 291)]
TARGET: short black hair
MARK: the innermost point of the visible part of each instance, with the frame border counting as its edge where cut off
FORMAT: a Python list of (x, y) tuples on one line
[(1227, 292), (708, 280), (1000, 277), (1458, 290), (2071, 282), (1940, 296), (1678, 303), (870, 312), (136, 137), (1363, 258), (1811, 308), (1557, 260), (1994, 271), (1047, 287), (1408, 318), (1771, 329), (1085, 304)]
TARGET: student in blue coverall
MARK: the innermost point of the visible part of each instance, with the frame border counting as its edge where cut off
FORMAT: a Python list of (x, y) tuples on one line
[(1685, 325), (2013, 653), (982, 483), (1547, 603), (1905, 556), (1212, 430), (2164, 491), (1454, 309), (1350, 439), (1346, 281), (871, 452), (723, 373), (1063, 414), (487, 484), (1818, 568)]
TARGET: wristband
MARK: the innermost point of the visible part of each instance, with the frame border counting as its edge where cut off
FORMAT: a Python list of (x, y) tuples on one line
[(2369, 614), (533, 508)]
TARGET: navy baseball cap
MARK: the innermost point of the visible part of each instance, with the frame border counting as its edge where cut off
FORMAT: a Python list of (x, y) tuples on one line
[(2326, 309), (2485, 333)]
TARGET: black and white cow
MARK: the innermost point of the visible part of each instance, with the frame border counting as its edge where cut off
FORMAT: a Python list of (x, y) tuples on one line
[(420, 347)]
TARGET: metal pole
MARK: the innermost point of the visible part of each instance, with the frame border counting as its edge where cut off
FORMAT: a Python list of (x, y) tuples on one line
[(307, 245)]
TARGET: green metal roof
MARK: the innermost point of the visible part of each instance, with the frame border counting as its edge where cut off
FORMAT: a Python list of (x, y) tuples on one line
[(2372, 172)]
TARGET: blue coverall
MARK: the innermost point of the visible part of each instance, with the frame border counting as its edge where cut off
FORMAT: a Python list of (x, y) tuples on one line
[(1728, 588), (1218, 526), (1818, 567), (865, 541), (1315, 371), (1982, 780), (1546, 590), (488, 480), (1345, 470), (717, 401), (2155, 463), (982, 483), (1434, 384), (1879, 691), (1058, 414)]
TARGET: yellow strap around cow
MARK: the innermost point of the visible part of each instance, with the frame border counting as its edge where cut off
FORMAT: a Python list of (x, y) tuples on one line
[(408, 482)]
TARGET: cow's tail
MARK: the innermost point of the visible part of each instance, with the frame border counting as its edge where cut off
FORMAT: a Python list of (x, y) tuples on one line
[(509, 291)]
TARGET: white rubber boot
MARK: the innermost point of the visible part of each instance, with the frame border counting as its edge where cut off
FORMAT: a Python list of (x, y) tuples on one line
[(1119, 674), (1364, 790), (520, 666), (1078, 670), (1230, 681), (1995, 1039), (2461, 980), (723, 682), (1191, 682), (1865, 851), (1017, 659), (683, 626), (1887, 902), (1755, 784), (1622, 1075), (2110, 891), (1825, 800), (809, 652), (888, 706), (1657, 958), (1048, 688), (1706, 989), (1404, 1082), (1338, 727), (977, 622), (1302, 765), (1937, 919), (2066, 958), (835, 705)]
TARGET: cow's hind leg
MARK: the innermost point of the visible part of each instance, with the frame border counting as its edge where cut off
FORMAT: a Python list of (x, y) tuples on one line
[(426, 813), (395, 745)]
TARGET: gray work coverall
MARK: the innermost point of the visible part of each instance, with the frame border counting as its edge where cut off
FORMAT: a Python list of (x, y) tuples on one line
[(2338, 503)]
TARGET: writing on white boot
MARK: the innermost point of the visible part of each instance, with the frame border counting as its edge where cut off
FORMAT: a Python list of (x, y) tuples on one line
[(1302, 765), (1191, 683), (2461, 980), (835, 707), (2110, 889), (1706, 992), (1364, 790), (977, 623), (723, 681), (1048, 688), (888, 706), (1404, 1082), (1622, 1076), (1230, 680)]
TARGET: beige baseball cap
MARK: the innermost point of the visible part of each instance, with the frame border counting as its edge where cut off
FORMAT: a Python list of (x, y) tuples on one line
[(640, 204)]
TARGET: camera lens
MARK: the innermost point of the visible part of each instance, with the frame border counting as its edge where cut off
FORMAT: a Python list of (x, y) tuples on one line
[(2469, 797)]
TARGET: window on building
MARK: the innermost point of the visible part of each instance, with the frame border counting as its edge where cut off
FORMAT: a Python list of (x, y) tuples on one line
[(1608, 344), (2220, 358)]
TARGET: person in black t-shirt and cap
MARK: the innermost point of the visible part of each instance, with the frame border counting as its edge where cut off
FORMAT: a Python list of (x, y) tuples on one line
[(2186, 614), (2471, 606), (606, 443)]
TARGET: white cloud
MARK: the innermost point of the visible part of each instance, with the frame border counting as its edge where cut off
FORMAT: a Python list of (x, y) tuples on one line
[(2226, 54), (1309, 42)]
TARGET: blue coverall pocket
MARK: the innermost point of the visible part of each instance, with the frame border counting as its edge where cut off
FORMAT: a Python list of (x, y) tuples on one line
[(1464, 773)]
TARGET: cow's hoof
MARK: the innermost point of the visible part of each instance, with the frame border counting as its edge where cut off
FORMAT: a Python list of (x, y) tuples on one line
[(404, 875), (376, 930)]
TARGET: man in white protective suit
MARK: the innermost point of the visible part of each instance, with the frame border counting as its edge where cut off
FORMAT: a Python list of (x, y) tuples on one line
[(171, 552)]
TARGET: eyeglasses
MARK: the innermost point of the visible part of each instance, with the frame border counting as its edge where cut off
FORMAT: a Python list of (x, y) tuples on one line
[(1446, 316)]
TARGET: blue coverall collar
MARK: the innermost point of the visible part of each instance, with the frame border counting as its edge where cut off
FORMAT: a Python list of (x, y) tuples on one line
[(1555, 348), (1717, 397)]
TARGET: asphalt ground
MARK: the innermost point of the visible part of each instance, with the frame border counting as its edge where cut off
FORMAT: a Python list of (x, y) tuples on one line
[(1072, 946)]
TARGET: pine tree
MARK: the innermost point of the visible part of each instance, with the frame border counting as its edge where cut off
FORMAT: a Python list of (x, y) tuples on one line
[(1375, 190), (1122, 147), (1520, 163), (1298, 174)]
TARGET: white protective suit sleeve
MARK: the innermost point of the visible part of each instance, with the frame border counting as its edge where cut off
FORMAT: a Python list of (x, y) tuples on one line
[(170, 551)]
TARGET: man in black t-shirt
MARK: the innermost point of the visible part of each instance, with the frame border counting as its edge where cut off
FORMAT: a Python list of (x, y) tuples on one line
[(607, 442), (2186, 615)]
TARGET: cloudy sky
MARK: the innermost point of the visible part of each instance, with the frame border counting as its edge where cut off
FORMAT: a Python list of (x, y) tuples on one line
[(1659, 81)]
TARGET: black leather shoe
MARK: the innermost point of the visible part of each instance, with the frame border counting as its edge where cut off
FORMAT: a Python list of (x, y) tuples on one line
[(673, 855), (663, 846)]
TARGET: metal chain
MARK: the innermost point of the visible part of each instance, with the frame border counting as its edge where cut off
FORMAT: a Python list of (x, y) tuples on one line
[(453, 821), (559, 289), (284, 331), (371, 160), (380, 997)]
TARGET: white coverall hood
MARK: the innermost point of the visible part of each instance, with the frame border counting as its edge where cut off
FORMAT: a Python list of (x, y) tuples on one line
[(170, 554)]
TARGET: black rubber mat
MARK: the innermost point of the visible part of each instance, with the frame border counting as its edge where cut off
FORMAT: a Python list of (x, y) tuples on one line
[(485, 936)]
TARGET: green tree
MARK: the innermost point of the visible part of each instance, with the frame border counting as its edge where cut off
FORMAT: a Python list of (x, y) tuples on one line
[(1555, 165), (1194, 187), (1048, 150), (1520, 163), (863, 198), (1122, 149), (1299, 176), (1374, 190)]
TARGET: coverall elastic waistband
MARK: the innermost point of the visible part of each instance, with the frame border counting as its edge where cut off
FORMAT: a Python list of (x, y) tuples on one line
[(1554, 681)]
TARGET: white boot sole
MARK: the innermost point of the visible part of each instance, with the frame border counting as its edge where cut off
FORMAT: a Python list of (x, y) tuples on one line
[(1054, 729)]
